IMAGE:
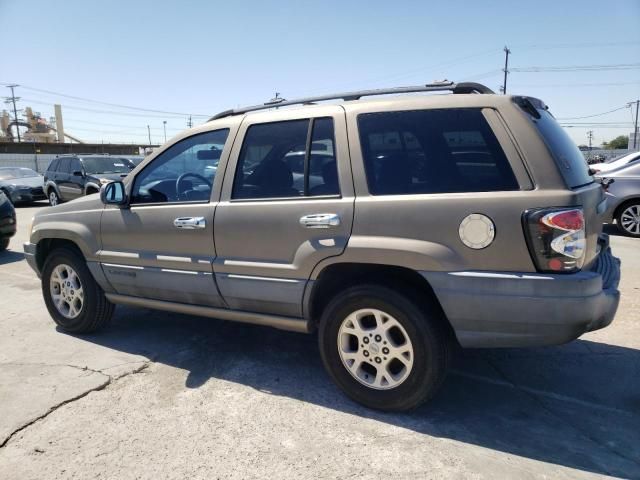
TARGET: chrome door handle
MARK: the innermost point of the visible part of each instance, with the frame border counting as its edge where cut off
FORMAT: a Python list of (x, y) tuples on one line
[(320, 220), (190, 223)]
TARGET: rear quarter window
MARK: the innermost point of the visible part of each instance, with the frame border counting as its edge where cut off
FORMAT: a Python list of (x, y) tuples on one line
[(53, 165), (570, 161), (432, 151)]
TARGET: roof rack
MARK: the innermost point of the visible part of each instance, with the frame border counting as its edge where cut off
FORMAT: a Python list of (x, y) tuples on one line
[(457, 88), (81, 154)]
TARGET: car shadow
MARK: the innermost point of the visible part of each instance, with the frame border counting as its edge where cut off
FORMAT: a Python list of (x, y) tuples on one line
[(38, 204), (612, 229), (9, 256), (576, 405)]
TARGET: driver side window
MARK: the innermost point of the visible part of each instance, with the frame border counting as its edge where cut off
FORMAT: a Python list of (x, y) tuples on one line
[(183, 173)]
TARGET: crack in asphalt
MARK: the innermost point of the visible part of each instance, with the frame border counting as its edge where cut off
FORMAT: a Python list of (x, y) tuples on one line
[(585, 433), (109, 380)]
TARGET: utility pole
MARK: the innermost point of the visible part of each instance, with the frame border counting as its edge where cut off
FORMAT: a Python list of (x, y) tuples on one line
[(189, 122), (164, 125), (635, 128), (505, 69), (15, 111), (590, 137), (149, 131)]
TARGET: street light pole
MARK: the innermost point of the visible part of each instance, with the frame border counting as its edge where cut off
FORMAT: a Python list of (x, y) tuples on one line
[(164, 125), (149, 131)]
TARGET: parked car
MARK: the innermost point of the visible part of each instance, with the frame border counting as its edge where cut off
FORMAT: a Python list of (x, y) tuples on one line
[(73, 176), (7, 221), (616, 162), (466, 218), (21, 184), (623, 198)]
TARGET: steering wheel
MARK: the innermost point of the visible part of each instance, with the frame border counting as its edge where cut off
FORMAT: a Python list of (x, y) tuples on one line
[(179, 192)]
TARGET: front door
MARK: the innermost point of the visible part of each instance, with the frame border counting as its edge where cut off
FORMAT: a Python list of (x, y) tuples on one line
[(286, 204), (161, 247)]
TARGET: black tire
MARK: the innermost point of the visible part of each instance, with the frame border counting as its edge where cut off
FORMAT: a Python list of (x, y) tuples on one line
[(430, 340), (96, 310), (4, 243), (623, 208), (51, 195)]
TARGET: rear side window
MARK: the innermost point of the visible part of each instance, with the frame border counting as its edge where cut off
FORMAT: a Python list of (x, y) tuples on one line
[(432, 151), (287, 159), (569, 159), (64, 164), (53, 166)]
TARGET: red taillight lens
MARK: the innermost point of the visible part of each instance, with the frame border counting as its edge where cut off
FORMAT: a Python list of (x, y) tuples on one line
[(565, 220), (556, 238)]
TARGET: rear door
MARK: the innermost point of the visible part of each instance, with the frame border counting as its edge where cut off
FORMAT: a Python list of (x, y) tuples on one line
[(62, 179), (273, 227), (75, 185)]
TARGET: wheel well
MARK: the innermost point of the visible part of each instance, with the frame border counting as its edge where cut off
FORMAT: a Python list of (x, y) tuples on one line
[(624, 205), (47, 245), (91, 190), (336, 278)]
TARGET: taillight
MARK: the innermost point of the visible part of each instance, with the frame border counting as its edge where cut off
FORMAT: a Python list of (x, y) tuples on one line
[(556, 239)]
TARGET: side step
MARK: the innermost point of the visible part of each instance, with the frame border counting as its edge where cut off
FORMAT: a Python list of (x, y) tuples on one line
[(299, 325)]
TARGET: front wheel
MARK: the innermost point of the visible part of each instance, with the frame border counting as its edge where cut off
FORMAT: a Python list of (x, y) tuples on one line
[(383, 349), (53, 198), (628, 219), (4, 243), (75, 301)]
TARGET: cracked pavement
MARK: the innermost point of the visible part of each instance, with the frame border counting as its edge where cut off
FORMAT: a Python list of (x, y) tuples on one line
[(161, 395)]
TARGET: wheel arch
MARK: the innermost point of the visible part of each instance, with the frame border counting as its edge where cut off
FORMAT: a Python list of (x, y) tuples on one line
[(625, 203), (338, 276)]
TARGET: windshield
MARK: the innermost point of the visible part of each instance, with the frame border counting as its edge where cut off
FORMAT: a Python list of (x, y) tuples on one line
[(623, 160), (94, 165), (9, 173)]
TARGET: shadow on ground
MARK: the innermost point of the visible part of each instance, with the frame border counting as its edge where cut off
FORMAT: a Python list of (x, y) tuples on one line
[(10, 256), (576, 405)]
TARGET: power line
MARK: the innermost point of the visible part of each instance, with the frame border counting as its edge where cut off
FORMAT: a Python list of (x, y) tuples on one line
[(578, 68), (105, 112), (595, 84), (594, 115), (117, 105), (575, 45)]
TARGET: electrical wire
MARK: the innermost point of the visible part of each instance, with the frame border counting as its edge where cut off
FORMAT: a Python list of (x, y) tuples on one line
[(594, 115), (576, 68), (117, 105)]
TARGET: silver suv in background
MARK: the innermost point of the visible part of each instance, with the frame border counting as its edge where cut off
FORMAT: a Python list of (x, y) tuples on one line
[(394, 227)]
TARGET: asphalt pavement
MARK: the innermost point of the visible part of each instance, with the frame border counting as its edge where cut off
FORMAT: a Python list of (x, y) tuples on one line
[(161, 395)]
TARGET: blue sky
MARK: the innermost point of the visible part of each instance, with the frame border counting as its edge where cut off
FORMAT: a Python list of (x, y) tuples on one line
[(201, 57)]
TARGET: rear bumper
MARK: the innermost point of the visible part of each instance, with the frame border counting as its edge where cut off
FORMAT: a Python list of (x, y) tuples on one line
[(507, 309)]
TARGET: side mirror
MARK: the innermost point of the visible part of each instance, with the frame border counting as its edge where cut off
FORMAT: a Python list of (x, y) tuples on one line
[(113, 193), (77, 173)]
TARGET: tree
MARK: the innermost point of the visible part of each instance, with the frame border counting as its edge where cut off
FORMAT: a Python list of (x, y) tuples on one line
[(619, 142)]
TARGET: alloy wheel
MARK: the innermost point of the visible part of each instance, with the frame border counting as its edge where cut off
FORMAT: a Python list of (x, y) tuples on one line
[(66, 291), (375, 348), (630, 219)]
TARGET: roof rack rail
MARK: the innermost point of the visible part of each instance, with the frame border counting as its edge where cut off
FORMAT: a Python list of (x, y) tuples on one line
[(457, 88), (80, 154)]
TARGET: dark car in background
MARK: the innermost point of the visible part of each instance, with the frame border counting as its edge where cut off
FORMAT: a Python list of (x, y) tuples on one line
[(73, 176), (21, 184), (7, 221)]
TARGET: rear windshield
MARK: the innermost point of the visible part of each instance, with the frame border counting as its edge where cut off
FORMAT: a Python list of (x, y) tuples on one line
[(569, 159)]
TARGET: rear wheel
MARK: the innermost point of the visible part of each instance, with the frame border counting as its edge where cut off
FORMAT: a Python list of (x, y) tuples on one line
[(4, 243), (383, 349), (75, 301), (54, 199), (628, 219)]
